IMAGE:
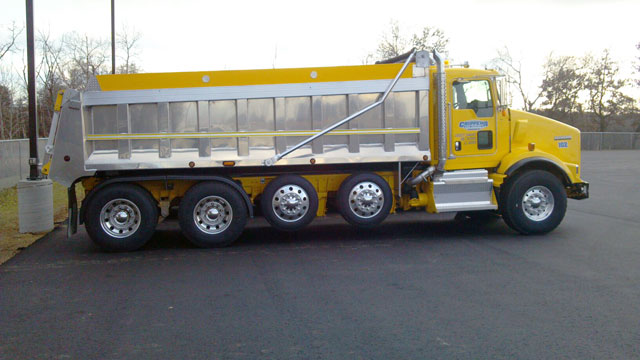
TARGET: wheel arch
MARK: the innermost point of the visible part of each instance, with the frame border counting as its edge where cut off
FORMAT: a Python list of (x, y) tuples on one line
[(539, 163), (517, 162), (135, 179)]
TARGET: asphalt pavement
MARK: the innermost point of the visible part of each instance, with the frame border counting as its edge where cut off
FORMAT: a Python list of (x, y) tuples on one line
[(416, 287)]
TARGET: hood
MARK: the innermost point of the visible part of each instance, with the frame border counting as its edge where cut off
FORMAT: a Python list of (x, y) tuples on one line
[(550, 136)]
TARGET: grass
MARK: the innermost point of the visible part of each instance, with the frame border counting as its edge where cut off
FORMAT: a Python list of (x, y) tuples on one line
[(11, 240)]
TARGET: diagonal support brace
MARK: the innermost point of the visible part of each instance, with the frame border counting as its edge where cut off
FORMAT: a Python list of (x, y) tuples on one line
[(273, 160)]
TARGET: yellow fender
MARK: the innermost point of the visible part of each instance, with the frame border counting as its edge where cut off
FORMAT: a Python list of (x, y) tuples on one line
[(535, 159)]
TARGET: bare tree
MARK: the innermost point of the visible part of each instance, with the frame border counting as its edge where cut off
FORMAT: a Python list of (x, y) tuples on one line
[(88, 57), (636, 112), (69, 61), (13, 114), (128, 41), (512, 69), (393, 43), (561, 86), (9, 45), (605, 96), (6, 100), (50, 74), (637, 67), (431, 38)]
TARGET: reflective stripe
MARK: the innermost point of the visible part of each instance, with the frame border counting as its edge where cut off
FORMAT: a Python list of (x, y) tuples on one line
[(248, 134)]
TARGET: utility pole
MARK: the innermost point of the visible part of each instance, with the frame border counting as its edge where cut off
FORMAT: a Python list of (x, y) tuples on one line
[(35, 195), (31, 91), (113, 37)]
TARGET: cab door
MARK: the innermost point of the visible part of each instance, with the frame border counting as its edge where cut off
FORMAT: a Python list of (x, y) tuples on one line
[(472, 124)]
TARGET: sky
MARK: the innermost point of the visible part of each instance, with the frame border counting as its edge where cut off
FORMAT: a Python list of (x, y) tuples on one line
[(191, 35)]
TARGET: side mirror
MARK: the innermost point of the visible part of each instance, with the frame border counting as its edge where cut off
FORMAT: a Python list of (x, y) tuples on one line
[(504, 93)]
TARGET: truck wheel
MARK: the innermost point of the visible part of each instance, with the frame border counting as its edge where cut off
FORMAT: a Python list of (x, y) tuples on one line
[(212, 214), (364, 200), (533, 202), (121, 217), (289, 202)]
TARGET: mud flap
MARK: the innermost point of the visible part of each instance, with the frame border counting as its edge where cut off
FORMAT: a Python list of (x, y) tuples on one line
[(72, 226)]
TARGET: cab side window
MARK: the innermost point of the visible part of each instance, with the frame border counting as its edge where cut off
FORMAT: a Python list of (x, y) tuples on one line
[(474, 95)]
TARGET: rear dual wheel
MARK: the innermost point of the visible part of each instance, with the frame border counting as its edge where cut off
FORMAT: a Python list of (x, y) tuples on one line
[(289, 202), (121, 217), (364, 200), (212, 214)]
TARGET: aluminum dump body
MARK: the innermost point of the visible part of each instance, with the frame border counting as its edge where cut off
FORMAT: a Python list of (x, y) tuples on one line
[(147, 121)]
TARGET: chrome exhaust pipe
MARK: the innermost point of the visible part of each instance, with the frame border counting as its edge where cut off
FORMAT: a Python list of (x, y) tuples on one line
[(422, 176), (441, 82)]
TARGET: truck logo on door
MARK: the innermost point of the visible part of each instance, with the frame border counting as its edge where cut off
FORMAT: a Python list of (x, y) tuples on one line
[(471, 125)]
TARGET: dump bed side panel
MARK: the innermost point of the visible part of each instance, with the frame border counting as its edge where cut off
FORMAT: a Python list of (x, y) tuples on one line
[(169, 128)]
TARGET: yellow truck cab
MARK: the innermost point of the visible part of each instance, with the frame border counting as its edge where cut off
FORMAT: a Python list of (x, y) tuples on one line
[(416, 135)]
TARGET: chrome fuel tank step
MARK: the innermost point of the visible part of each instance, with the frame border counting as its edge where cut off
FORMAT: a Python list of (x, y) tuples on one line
[(463, 190)]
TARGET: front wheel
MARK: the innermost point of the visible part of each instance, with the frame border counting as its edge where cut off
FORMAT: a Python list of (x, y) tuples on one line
[(533, 202), (212, 214)]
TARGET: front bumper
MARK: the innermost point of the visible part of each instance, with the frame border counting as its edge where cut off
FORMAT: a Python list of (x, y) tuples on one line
[(578, 191)]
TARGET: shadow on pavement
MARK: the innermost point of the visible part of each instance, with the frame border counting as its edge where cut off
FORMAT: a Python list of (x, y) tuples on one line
[(334, 230)]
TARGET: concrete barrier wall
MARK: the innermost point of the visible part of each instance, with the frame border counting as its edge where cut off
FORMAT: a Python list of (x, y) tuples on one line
[(14, 154), (14, 160)]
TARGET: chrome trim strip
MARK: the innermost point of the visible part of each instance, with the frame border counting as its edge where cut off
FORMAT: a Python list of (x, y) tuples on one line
[(248, 134)]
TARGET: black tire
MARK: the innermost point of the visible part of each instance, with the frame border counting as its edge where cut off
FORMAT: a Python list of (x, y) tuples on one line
[(102, 220), (359, 215), (223, 225), (532, 218), (277, 210)]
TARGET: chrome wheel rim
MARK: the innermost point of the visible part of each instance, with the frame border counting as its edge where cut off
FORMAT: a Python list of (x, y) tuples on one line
[(537, 203), (290, 203), (366, 199), (212, 215), (120, 218)]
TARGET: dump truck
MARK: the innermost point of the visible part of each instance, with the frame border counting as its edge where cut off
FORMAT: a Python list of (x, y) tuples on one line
[(218, 147)]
